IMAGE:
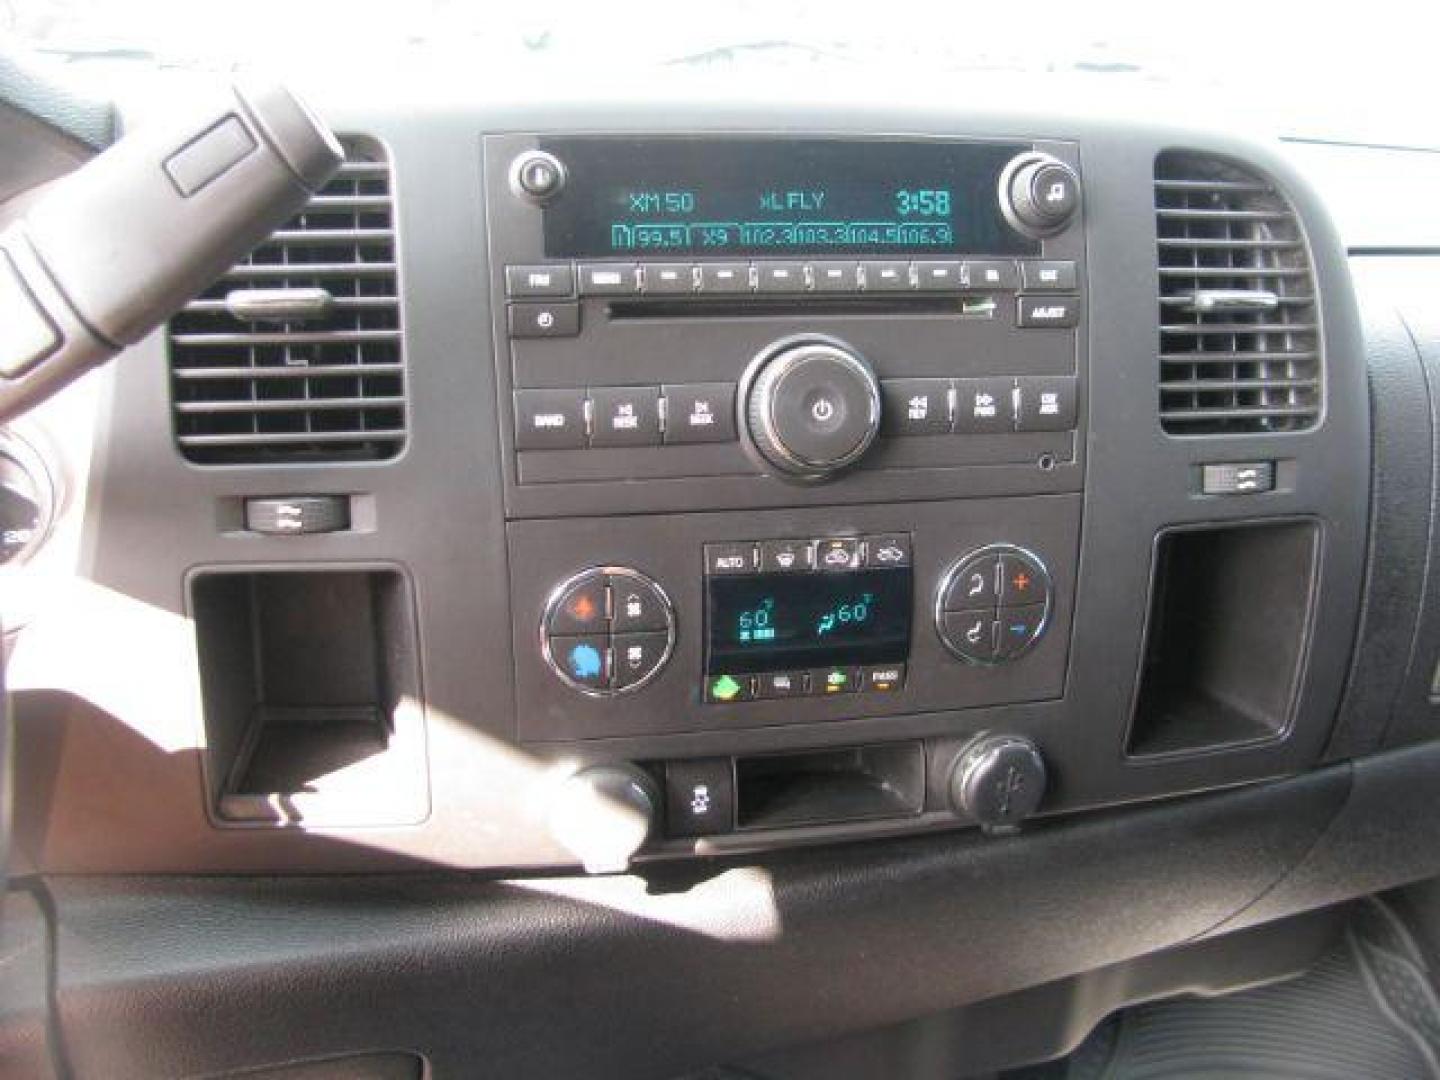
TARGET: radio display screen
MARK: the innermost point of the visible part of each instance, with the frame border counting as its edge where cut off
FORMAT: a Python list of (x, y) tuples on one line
[(656, 197), (782, 622)]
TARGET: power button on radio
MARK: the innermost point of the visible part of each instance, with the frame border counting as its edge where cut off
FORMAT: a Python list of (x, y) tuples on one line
[(813, 407)]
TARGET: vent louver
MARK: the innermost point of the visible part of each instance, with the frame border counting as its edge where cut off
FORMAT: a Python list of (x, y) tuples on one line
[(295, 354), (1239, 326)]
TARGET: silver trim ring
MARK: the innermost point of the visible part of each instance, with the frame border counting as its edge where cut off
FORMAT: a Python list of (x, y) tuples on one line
[(552, 603), (948, 578), (769, 367)]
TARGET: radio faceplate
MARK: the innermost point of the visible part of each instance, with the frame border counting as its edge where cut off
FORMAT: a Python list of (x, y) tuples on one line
[(623, 347)]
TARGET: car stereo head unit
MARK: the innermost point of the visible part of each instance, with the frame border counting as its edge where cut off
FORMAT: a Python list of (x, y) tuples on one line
[(808, 309)]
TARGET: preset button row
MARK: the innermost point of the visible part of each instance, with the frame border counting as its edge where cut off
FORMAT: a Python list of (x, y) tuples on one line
[(821, 682), (883, 551), (984, 406), (554, 280), (680, 414)]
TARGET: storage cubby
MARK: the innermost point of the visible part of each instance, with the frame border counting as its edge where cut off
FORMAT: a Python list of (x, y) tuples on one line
[(1230, 615), (310, 681)]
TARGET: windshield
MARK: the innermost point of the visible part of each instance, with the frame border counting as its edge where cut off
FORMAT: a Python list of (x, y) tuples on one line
[(1327, 67)]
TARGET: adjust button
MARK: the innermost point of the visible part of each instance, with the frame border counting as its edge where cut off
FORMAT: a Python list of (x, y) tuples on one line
[(666, 278), (609, 279), (699, 413), (786, 556), (549, 419), (836, 277), (730, 558), (727, 689), (722, 278), (781, 684), (971, 634), (583, 660), (544, 320), (781, 277), (884, 679), (1017, 629), (526, 281), (1047, 403), (1022, 581), (582, 610), (938, 276), (1054, 312), (1048, 275), (838, 554), (887, 551), (915, 406), (989, 274), (638, 656), (625, 416), (699, 797), (984, 406), (637, 605), (973, 585), (836, 680), (887, 276)]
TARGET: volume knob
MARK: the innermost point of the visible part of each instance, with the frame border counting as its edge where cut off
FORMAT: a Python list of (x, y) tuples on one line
[(810, 406)]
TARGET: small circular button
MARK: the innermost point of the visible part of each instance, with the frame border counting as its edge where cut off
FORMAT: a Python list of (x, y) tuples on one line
[(999, 781), (1039, 194), (812, 407), (993, 604), (608, 630), (537, 176)]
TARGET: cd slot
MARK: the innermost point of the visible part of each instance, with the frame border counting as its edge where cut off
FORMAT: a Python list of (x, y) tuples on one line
[(972, 307)]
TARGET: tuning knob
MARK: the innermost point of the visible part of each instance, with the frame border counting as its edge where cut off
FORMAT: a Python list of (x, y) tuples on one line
[(604, 815), (1039, 194), (810, 406), (998, 781)]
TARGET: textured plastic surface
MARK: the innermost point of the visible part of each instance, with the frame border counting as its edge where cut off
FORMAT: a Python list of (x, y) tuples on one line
[(729, 963), (1326, 1025)]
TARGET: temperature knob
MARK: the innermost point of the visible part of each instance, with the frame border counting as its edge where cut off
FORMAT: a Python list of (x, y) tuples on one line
[(998, 781), (1039, 194), (810, 406), (604, 815)]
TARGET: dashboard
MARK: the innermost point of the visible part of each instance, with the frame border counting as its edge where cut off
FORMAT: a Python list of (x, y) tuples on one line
[(874, 475), (733, 531)]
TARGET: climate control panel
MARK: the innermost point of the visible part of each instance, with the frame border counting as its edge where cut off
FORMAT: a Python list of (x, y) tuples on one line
[(662, 625)]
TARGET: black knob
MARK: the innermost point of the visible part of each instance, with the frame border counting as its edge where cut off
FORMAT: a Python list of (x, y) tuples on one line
[(1039, 194), (537, 176), (25, 499), (810, 406), (603, 815), (998, 781)]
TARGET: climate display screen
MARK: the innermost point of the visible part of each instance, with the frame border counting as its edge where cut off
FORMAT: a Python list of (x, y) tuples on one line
[(776, 622), (657, 197)]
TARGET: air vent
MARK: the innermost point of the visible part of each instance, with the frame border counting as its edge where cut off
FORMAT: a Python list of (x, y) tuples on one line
[(1239, 326), (296, 353)]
